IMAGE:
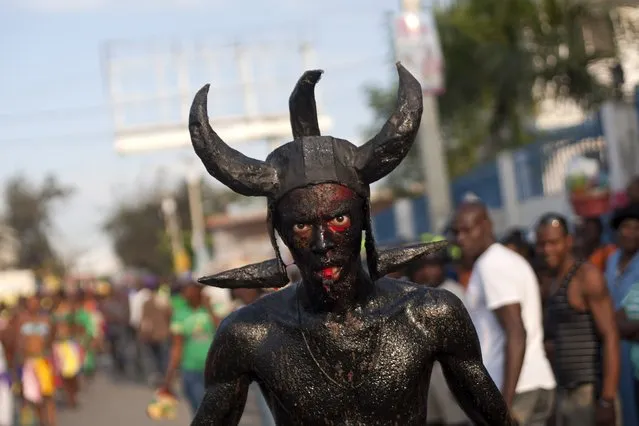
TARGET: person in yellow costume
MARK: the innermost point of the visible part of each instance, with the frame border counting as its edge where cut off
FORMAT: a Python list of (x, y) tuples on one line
[(67, 354), (34, 346)]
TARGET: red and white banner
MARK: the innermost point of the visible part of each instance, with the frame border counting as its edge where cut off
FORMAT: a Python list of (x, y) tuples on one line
[(417, 47)]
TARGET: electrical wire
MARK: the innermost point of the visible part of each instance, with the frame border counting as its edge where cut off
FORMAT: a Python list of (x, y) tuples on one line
[(73, 138)]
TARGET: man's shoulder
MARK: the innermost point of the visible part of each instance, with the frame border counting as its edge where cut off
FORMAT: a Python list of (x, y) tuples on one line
[(591, 279), (432, 302), (499, 260), (497, 254), (254, 320)]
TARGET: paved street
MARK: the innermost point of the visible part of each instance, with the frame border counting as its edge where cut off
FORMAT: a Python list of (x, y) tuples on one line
[(106, 403)]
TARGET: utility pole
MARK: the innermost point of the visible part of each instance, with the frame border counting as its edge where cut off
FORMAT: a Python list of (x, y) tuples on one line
[(431, 149), (198, 228), (180, 260)]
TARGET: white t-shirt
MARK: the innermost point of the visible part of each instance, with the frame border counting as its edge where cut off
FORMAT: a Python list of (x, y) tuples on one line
[(502, 277), (136, 303)]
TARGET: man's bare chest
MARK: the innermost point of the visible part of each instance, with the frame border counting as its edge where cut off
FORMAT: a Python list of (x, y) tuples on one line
[(383, 366)]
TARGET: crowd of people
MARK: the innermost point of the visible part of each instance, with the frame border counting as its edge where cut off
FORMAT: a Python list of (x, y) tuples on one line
[(49, 347), (556, 312), (152, 334)]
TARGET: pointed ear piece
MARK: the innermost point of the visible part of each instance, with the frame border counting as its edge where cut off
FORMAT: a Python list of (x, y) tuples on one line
[(268, 274), (391, 260)]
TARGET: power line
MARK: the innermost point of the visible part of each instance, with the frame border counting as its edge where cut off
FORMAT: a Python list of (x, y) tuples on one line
[(74, 138), (57, 114)]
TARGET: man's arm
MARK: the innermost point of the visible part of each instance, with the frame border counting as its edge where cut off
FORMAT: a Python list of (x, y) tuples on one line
[(461, 361), (175, 358), (509, 318), (501, 287), (597, 298), (227, 376)]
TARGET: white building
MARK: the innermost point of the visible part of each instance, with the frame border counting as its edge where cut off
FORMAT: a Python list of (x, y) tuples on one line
[(552, 113)]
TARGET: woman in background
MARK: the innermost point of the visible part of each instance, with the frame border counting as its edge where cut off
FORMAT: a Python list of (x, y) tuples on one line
[(85, 331), (35, 333), (67, 355)]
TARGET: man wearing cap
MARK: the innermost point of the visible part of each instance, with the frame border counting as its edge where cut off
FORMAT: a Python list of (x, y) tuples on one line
[(622, 274)]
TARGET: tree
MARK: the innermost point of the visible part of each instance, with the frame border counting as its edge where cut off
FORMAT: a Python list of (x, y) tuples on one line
[(29, 212), (501, 59), (137, 229)]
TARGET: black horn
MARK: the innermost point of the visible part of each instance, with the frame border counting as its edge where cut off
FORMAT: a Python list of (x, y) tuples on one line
[(244, 175), (380, 155), (302, 107)]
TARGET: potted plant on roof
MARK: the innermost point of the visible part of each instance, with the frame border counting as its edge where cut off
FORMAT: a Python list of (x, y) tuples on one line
[(588, 187)]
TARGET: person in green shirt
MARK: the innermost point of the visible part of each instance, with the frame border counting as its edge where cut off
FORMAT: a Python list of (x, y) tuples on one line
[(193, 326), (86, 332), (179, 307)]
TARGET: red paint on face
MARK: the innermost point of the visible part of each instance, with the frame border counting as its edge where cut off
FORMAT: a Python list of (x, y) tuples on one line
[(335, 198), (343, 193), (339, 224)]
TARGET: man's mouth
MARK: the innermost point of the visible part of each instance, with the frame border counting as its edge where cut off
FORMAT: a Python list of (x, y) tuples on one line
[(331, 273)]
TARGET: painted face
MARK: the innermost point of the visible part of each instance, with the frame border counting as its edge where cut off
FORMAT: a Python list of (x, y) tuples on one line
[(322, 227)]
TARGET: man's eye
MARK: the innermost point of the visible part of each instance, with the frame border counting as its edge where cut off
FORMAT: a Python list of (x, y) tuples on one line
[(341, 221), (301, 227)]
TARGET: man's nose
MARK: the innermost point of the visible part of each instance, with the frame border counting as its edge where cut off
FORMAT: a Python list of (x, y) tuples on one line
[(322, 241)]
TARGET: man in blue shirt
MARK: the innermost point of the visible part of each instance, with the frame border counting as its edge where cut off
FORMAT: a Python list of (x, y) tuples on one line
[(622, 272)]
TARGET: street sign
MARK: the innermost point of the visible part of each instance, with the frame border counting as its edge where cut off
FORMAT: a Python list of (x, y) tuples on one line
[(417, 47)]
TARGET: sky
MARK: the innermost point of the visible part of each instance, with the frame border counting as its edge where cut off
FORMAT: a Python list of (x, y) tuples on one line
[(55, 115)]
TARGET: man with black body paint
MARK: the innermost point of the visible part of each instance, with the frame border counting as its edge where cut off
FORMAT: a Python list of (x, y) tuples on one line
[(341, 346)]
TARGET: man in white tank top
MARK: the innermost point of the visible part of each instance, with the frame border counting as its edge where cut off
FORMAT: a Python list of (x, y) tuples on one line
[(504, 302)]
